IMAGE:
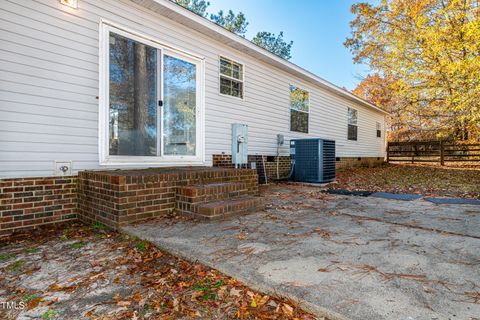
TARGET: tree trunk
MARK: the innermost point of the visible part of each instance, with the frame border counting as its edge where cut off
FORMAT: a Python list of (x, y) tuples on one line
[(140, 99)]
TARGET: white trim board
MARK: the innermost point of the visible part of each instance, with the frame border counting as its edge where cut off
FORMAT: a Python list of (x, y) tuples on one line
[(160, 160)]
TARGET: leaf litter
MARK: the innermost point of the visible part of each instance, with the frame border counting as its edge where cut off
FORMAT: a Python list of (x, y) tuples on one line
[(94, 273)]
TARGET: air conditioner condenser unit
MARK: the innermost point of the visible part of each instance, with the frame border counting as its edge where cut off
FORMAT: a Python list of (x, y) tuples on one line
[(314, 160)]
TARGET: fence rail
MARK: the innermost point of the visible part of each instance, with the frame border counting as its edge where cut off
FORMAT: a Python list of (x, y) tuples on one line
[(432, 151)]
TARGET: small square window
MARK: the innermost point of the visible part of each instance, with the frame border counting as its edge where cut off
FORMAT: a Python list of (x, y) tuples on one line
[(231, 78)]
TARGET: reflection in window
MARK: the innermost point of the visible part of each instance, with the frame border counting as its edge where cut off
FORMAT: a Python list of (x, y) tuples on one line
[(299, 109), (179, 111), (379, 130), (352, 124), (133, 96)]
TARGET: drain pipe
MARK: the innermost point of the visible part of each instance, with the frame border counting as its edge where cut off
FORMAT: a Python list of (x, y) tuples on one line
[(280, 142), (278, 156), (292, 167), (264, 170)]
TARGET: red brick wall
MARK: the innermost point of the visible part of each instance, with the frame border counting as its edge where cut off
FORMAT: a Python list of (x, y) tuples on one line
[(117, 198), (222, 160), (266, 167), (32, 202)]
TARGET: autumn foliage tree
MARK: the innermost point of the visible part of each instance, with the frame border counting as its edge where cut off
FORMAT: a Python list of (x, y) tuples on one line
[(425, 59)]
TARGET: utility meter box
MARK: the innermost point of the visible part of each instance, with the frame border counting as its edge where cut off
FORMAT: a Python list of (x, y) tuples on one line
[(239, 144)]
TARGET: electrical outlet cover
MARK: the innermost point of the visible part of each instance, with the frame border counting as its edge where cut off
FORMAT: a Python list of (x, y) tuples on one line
[(63, 168)]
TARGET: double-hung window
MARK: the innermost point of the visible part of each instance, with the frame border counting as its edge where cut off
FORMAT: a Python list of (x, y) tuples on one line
[(231, 78), (352, 124), (379, 130), (299, 109)]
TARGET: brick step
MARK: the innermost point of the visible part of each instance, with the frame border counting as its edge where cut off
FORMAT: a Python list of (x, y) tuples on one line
[(229, 207), (200, 193)]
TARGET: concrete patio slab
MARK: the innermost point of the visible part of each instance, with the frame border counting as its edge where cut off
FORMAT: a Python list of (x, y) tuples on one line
[(463, 220), (344, 257)]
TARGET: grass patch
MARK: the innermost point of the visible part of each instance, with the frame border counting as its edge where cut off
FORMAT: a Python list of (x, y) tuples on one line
[(65, 234), (77, 245), (32, 250), (98, 226), (17, 265), (6, 256), (208, 289), (142, 246), (50, 314), (30, 297)]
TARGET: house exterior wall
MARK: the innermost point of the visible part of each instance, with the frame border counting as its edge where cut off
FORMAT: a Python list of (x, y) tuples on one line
[(49, 89)]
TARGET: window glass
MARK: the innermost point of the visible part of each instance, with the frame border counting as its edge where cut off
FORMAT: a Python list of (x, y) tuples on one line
[(379, 130), (352, 116), (179, 110), (299, 108), (231, 78), (133, 97), (352, 124)]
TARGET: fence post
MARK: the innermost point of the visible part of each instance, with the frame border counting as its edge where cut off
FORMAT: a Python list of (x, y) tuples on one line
[(388, 152), (442, 153), (414, 149)]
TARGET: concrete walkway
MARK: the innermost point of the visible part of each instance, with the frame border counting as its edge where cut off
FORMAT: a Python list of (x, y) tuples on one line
[(344, 257)]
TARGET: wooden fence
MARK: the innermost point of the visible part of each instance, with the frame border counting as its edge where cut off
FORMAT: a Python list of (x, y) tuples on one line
[(432, 151)]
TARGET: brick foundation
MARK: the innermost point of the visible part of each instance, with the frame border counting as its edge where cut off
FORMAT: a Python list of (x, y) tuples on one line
[(351, 162), (266, 165), (117, 198), (269, 165), (28, 203)]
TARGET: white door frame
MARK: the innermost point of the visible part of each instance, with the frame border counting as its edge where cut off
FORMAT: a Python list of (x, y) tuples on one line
[(160, 160)]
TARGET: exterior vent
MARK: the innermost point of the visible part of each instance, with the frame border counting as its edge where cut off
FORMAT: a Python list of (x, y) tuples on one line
[(314, 160)]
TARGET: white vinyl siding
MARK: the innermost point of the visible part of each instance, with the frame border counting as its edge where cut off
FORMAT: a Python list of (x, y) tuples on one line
[(49, 89)]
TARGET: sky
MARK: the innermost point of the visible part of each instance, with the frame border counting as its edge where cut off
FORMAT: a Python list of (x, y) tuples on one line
[(317, 28)]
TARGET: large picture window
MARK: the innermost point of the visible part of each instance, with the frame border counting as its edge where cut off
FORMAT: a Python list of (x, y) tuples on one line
[(352, 124), (153, 103), (231, 78), (299, 109)]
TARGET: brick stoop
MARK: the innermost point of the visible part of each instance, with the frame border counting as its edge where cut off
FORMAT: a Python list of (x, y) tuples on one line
[(120, 197), (216, 200), (221, 209)]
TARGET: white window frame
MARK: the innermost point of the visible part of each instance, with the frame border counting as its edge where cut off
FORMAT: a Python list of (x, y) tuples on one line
[(290, 108), (104, 104), (378, 127), (220, 75), (348, 116), (351, 124)]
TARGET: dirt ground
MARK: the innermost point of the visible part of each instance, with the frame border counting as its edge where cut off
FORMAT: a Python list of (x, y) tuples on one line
[(88, 272), (427, 180)]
